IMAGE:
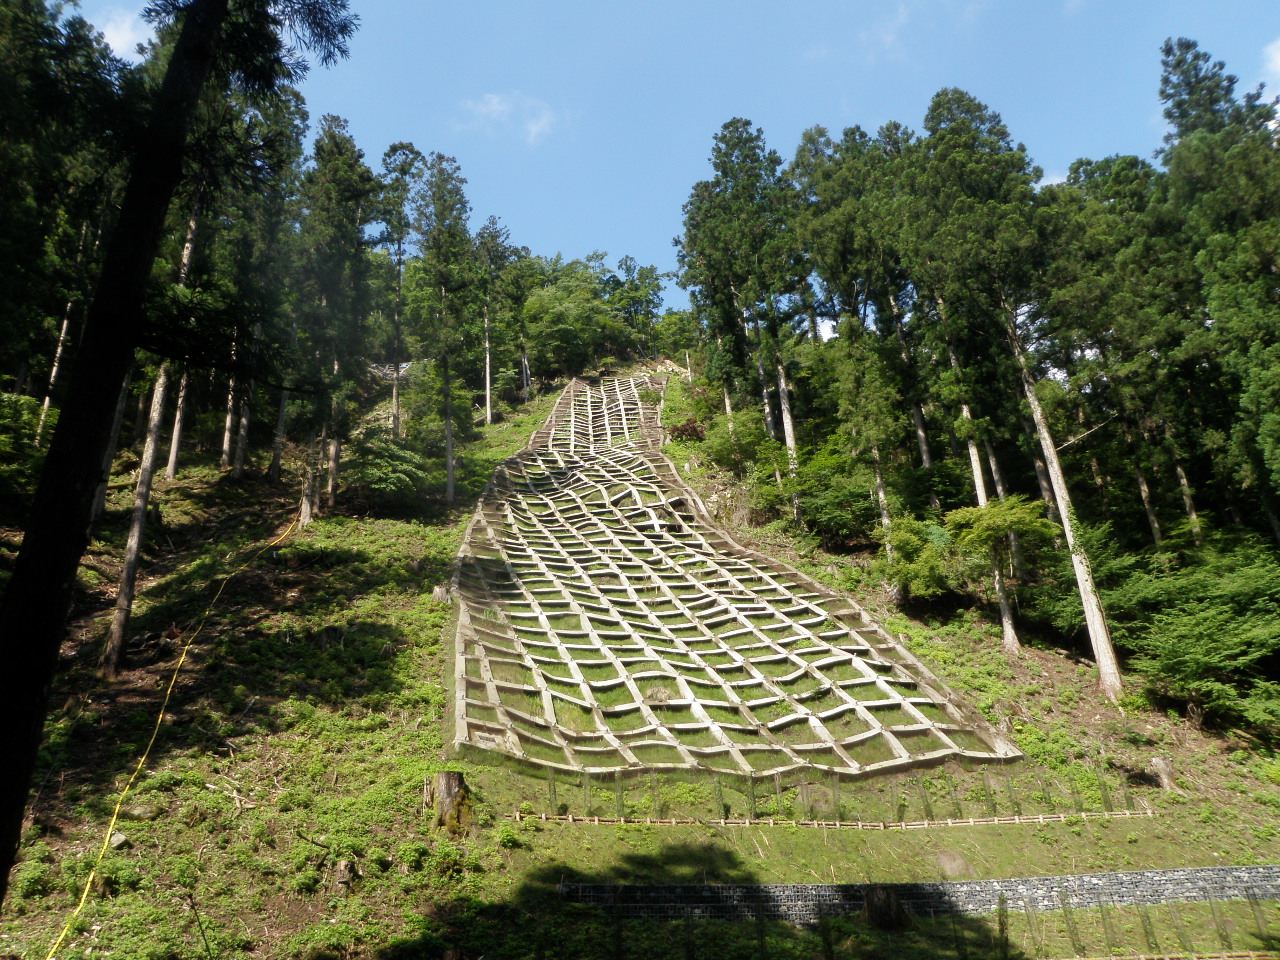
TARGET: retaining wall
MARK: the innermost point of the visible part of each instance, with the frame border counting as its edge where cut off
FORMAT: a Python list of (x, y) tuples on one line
[(808, 903)]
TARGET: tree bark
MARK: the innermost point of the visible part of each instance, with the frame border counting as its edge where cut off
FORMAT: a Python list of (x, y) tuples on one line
[(788, 428), (524, 370), (1184, 488), (1042, 473), (242, 435), (917, 412), (769, 423), (53, 371), (882, 500), (137, 525), (228, 427), (179, 417), (109, 458), (39, 592), (184, 272), (488, 378), (331, 480), (1144, 491), (1008, 633), (1095, 619), (997, 475), (140, 417), (448, 431), (307, 505)]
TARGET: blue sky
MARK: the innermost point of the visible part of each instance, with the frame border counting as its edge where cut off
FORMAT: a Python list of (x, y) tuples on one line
[(582, 126)]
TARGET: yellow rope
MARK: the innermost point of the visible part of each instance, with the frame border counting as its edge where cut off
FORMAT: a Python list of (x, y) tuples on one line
[(155, 732)]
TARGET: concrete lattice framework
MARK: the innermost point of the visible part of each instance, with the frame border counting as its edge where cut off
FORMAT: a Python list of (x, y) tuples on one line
[(608, 626)]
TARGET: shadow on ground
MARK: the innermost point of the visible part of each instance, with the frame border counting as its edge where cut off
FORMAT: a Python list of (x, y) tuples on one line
[(539, 921)]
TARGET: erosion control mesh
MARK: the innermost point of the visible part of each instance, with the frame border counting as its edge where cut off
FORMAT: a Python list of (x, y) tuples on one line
[(607, 625)]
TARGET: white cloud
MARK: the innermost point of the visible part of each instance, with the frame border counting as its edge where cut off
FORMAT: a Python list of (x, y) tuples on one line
[(884, 36), (515, 112), (123, 30), (1271, 65)]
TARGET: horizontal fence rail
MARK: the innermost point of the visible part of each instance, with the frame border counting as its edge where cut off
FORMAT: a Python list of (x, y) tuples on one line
[(835, 824)]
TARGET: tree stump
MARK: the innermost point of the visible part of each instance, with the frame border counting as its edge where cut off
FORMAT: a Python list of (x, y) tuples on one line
[(345, 874), (452, 802), (1162, 767)]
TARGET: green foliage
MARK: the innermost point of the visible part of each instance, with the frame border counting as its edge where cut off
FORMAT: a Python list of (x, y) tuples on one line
[(1206, 629), (385, 476), (20, 459), (735, 445), (836, 496)]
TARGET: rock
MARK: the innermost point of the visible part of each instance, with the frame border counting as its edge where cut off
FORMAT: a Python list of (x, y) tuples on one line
[(452, 802), (119, 841), (140, 811)]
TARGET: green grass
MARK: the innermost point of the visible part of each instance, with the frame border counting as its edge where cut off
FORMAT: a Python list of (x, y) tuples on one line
[(326, 737)]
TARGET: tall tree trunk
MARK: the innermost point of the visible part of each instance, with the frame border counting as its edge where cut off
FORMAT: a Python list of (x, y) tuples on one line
[(1095, 619), (137, 524), (229, 425), (769, 423), (997, 475), (1144, 490), (242, 435), (788, 429), (307, 504), (448, 431), (179, 418), (53, 371), (282, 413), (882, 501), (524, 369), (331, 480), (140, 417), (184, 272), (277, 440), (488, 378), (39, 592), (396, 347), (1042, 472), (917, 411), (751, 330), (1184, 488), (109, 457), (395, 400), (1008, 633), (975, 459), (62, 335)]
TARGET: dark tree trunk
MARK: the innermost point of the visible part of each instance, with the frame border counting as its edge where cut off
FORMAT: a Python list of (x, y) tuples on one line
[(448, 432), (109, 456), (33, 615), (277, 443)]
